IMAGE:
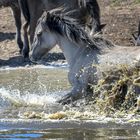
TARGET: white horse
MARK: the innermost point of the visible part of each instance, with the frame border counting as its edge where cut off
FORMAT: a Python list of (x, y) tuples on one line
[(87, 58)]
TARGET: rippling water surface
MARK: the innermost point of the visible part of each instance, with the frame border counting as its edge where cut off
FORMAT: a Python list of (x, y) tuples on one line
[(37, 89), (71, 134)]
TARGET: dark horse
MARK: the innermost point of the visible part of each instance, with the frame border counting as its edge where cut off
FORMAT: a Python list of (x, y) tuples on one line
[(86, 11), (13, 4)]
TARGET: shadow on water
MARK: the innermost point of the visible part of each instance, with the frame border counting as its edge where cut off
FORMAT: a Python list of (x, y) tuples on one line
[(15, 61), (5, 36), (21, 61), (54, 57)]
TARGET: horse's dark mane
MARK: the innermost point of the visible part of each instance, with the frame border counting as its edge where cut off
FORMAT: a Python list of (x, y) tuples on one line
[(69, 27)]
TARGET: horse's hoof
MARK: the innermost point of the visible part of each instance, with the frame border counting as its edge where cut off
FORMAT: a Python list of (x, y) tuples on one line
[(26, 59), (66, 102), (20, 51), (67, 99), (25, 54)]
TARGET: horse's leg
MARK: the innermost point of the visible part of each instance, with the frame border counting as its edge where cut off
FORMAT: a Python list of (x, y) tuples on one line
[(80, 86), (23, 4), (75, 94), (17, 17), (94, 11), (138, 38), (34, 16), (32, 29), (25, 50), (78, 91)]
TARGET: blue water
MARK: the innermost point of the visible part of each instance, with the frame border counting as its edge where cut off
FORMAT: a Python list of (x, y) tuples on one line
[(71, 134)]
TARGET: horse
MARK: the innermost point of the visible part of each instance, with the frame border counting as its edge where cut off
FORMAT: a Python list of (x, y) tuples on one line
[(13, 4), (88, 58), (86, 11)]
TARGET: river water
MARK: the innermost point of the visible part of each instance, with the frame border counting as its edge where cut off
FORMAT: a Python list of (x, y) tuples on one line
[(36, 89)]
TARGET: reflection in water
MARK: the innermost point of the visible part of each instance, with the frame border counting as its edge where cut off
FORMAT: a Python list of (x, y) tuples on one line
[(72, 134)]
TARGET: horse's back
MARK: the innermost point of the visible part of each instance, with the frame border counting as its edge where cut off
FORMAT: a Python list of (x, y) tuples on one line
[(58, 3), (119, 56), (90, 66)]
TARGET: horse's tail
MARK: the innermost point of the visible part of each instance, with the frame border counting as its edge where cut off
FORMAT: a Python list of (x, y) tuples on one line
[(25, 9)]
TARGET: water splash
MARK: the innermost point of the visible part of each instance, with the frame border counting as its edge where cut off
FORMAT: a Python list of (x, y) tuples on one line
[(16, 98)]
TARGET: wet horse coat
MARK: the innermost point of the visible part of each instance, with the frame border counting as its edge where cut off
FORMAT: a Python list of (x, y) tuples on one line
[(87, 58)]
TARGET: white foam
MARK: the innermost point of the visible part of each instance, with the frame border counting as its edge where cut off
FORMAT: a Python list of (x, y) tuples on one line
[(51, 66), (27, 99)]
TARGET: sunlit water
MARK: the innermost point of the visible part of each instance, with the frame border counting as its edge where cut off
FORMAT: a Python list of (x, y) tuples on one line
[(37, 89)]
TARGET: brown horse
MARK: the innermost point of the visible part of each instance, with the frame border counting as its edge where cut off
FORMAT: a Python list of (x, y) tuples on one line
[(13, 4), (86, 11)]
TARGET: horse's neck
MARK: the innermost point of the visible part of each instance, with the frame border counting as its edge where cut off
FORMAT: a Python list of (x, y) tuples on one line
[(69, 49)]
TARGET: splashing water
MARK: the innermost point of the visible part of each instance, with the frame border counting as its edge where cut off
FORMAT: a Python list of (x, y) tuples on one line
[(29, 94), (30, 89), (15, 97)]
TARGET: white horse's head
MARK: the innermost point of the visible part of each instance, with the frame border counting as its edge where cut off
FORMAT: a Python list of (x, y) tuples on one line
[(44, 40), (52, 29)]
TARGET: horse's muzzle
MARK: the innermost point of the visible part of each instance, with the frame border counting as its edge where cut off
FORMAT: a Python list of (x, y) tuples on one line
[(32, 59)]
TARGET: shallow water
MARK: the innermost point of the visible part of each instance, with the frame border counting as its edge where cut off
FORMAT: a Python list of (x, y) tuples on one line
[(37, 89), (71, 134)]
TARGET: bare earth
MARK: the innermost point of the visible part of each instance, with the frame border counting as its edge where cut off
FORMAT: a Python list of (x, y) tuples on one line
[(122, 21)]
